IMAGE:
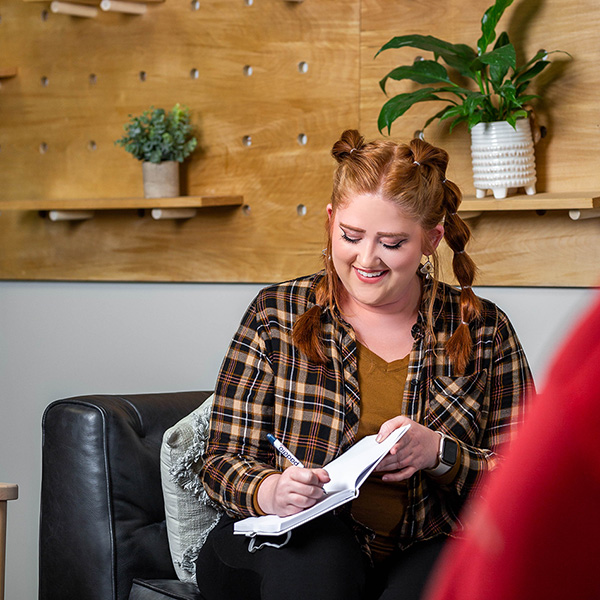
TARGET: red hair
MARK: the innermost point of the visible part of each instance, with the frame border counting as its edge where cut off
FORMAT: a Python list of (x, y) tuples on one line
[(413, 176)]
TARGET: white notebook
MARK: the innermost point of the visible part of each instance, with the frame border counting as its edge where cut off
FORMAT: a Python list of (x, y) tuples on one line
[(347, 473)]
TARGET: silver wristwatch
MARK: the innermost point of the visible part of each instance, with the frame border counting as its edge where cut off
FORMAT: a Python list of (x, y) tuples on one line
[(447, 455)]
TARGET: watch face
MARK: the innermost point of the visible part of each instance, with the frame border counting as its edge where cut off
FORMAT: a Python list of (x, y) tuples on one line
[(449, 452)]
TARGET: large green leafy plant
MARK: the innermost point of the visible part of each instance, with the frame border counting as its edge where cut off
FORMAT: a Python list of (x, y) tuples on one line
[(500, 92), (158, 136)]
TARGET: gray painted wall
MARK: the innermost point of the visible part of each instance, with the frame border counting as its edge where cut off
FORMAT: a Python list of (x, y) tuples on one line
[(64, 339)]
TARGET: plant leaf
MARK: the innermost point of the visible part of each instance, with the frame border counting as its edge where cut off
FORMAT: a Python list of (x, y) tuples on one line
[(457, 56), (527, 76), (519, 114), (488, 24), (474, 119), (443, 114), (528, 98), (500, 58), (500, 61), (398, 105), (157, 136), (456, 122), (508, 91), (452, 111), (421, 71), (502, 40)]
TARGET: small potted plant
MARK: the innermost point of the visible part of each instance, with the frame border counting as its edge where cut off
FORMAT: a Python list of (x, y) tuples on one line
[(161, 140), (495, 107)]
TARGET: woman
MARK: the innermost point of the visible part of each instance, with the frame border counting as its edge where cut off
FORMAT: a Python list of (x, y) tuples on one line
[(371, 343)]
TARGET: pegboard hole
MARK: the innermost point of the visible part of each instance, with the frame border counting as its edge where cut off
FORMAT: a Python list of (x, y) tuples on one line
[(248, 70), (247, 140), (143, 76), (302, 66), (43, 148), (301, 210), (194, 74), (302, 139), (248, 2), (44, 81), (246, 209), (44, 15), (93, 78), (195, 4), (92, 146)]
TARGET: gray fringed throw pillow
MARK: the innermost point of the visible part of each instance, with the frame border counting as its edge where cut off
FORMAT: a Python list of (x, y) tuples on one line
[(190, 514)]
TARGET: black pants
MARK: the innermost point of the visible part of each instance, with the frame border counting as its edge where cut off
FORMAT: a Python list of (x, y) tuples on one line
[(322, 560)]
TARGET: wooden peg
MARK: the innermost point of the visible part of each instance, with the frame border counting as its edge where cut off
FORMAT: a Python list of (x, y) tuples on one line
[(173, 213), (130, 8), (70, 215), (586, 213), (75, 10)]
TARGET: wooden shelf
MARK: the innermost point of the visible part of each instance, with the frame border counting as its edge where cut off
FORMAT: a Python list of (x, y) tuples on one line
[(122, 203), (543, 201), (6, 72)]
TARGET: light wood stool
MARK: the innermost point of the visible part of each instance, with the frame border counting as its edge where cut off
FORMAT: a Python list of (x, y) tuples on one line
[(8, 491)]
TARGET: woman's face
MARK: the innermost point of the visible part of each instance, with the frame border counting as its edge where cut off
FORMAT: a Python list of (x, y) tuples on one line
[(376, 251)]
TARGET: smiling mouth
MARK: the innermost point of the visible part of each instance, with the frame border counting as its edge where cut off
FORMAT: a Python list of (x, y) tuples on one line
[(369, 274)]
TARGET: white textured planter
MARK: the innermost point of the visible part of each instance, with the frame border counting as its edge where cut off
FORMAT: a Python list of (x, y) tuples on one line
[(503, 158), (161, 180)]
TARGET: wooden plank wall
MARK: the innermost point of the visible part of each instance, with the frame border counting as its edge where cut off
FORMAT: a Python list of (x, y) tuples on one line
[(79, 79), (510, 248)]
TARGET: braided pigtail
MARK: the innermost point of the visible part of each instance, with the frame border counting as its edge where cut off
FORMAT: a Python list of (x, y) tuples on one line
[(457, 235), (306, 334), (352, 166)]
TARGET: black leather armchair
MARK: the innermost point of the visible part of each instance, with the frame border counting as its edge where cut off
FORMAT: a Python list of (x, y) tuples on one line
[(102, 520)]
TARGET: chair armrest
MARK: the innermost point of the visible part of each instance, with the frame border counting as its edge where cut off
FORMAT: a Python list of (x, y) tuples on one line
[(102, 520)]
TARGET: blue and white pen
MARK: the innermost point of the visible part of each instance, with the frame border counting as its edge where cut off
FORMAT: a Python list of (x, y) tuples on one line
[(283, 450)]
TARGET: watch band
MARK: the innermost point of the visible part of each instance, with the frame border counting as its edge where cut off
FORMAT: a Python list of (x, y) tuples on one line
[(447, 454)]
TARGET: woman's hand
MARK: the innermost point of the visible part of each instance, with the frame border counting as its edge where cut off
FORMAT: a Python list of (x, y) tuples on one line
[(416, 449), (288, 493)]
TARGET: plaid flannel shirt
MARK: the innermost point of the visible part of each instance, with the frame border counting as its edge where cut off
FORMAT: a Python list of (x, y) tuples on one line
[(267, 386)]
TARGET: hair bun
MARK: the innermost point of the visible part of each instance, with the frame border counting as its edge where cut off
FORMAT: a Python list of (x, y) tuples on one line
[(349, 141)]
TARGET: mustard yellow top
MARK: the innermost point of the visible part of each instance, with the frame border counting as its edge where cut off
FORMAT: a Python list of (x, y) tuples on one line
[(380, 505)]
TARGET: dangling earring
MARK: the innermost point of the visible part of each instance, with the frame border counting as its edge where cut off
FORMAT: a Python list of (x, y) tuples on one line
[(427, 269)]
